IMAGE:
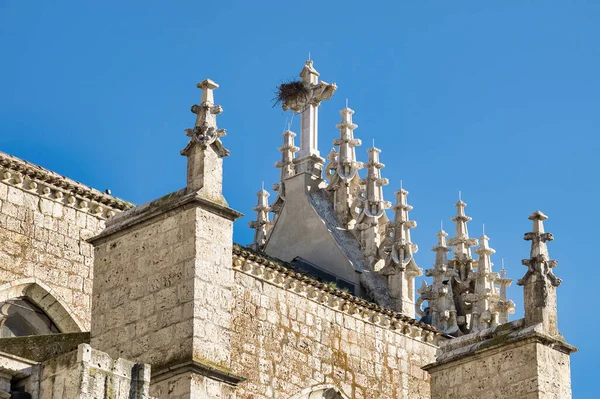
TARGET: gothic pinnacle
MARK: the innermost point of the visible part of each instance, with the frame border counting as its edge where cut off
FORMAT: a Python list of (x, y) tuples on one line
[(205, 150), (505, 306), (539, 252), (441, 250), (262, 224), (205, 130), (461, 242), (484, 251), (347, 166), (286, 165), (374, 205), (539, 281)]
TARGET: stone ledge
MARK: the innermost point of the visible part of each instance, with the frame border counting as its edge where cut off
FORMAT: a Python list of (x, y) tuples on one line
[(513, 333), (40, 348), (196, 367), (277, 273), (161, 206)]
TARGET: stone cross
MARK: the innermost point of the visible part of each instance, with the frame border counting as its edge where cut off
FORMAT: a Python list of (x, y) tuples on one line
[(309, 122), (308, 107)]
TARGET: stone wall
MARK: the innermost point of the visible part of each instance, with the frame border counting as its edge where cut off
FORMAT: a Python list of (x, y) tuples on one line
[(163, 284), (508, 361), (508, 373), (91, 374), (45, 220), (191, 385), (143, 291), (290, 335)]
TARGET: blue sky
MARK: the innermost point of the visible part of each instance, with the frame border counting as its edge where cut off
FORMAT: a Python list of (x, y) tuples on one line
[(497, 99)]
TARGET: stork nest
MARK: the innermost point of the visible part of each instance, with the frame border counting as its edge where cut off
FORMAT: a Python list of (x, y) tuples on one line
[(293, 90)]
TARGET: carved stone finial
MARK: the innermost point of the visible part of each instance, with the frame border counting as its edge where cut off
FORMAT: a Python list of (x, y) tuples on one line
[(205, 130), (286, 165), (205, 150), (539, 281), (461, 242), (484, 297), (505, 305), (371, 219), (397, 250), (342, 170), (261, 225), (439, 294)]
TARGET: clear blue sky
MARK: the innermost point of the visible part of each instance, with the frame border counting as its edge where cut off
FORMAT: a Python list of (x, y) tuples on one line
[(497, 99)]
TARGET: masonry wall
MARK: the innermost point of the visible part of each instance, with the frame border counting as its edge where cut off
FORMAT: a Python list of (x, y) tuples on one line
[(163, 287), (91, 374), (42, 236), (191, 385), (285, 342), (525, 369), (143, 290)]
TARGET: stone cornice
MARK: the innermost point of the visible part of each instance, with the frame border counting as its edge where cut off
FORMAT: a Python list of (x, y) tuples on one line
[(196, 367), (45, 183), (159, 207), (498, 338), (278, 273)]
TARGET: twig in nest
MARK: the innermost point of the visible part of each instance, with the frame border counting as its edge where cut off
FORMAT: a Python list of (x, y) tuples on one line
[(293, 90)]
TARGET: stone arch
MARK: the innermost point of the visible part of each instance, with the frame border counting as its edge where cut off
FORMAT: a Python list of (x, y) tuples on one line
[(321, 392), (46, 299)]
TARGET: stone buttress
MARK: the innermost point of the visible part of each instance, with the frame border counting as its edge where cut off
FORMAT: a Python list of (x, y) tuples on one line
[(163, 281)]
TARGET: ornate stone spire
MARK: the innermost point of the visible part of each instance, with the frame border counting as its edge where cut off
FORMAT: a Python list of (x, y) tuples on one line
[(483, 314), (461, 242), (343, 168), (262, 224), (347, 165), (286, 165), (398, 249), (205, 150), (309, 159), (540, 282), (505, 305), (439, 294), (373, 208)]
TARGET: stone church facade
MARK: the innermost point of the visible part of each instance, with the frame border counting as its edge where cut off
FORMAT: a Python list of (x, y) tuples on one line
[(103, 299)]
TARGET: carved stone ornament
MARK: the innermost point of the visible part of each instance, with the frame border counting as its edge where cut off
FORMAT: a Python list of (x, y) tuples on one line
[(539, 264)]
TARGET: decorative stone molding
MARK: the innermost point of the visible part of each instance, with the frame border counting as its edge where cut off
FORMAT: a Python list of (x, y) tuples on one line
[(44, 183), (276, 273)]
